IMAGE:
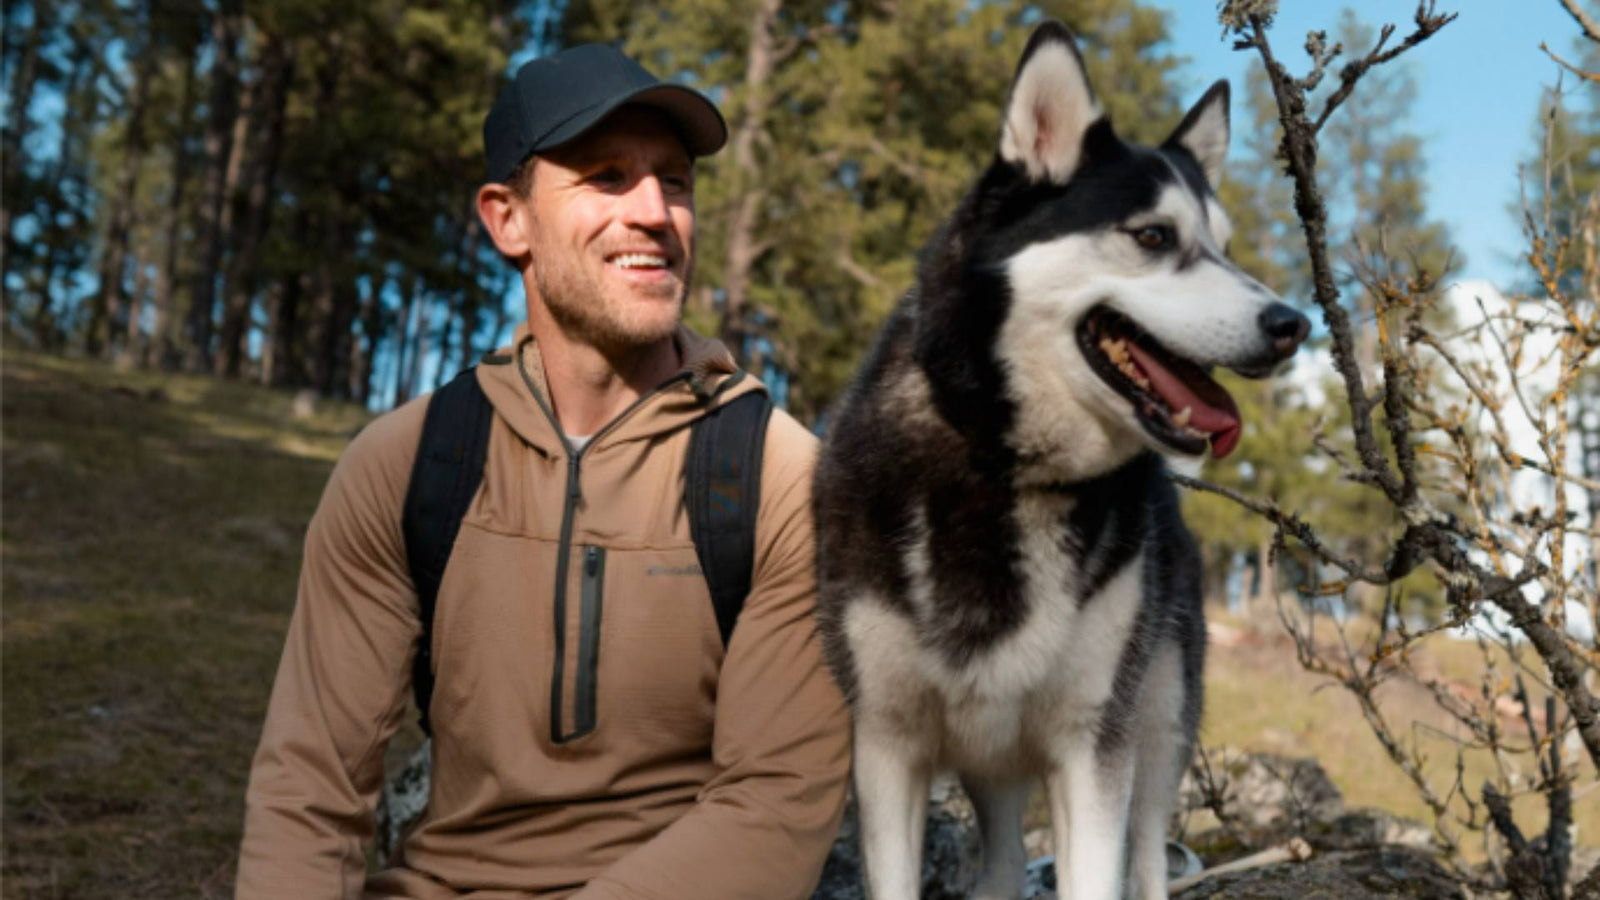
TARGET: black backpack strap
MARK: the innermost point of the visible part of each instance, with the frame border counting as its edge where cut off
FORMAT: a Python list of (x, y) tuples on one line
[(723, 494), (444, 479)]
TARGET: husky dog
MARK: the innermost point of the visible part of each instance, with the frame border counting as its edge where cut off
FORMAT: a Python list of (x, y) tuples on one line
[(1006, 587)]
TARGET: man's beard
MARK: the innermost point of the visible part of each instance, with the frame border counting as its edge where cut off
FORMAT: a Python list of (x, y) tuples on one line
[(584, 310)]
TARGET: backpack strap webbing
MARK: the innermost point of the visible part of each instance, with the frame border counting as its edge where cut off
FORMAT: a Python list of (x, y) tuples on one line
[(723, 494), (444, 479)]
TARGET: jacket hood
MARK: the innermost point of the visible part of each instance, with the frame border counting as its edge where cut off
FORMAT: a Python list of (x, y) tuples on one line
[(513, 379)]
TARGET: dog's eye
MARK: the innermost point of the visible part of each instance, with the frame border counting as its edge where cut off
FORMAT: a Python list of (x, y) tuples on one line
[(1155, 237)]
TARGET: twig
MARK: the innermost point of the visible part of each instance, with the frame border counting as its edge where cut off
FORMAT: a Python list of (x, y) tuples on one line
[(1290, 524), (1427, 21), (1585, 75), (1296, 850), (1591, 29)]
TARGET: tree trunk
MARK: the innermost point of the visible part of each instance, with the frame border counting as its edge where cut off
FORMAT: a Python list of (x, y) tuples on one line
[(44, 317), (405, 346), (335, 306), (372, 330), (742, 246), (277, 75), (106, 309), (163, 349), (23, 79), (1264, 606), (281, 358), (473, 301), (1265, 603), (225, 28), (442, 370), (131, 351)]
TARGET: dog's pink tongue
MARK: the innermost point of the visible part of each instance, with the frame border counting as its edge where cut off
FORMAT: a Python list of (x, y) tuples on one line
[(1215, 414)]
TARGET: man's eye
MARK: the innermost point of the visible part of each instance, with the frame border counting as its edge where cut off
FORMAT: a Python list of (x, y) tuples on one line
[(1155, 237), (605, 177), (676, 184)]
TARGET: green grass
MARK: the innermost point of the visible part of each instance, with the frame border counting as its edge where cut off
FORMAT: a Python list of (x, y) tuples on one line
[(151, 541)]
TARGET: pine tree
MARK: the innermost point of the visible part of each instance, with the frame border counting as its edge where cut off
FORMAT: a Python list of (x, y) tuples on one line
[(855, 128)]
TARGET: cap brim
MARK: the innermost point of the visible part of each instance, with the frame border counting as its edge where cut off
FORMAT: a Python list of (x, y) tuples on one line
[(696, 120)]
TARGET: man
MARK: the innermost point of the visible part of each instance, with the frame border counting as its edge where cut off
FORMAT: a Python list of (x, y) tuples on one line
[(591, 736)]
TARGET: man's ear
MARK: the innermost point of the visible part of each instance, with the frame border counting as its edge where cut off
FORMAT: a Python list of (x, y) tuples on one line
[(501, 209), (1050, 107), (1204, 132)]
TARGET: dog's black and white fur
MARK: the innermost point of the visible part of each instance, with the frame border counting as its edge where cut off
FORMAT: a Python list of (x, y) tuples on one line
[(1006, 587)]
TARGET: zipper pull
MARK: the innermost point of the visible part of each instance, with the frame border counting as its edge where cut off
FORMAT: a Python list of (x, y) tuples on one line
[(591, 561)]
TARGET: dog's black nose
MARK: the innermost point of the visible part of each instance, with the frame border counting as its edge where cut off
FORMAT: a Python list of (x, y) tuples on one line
[(1285, 327)]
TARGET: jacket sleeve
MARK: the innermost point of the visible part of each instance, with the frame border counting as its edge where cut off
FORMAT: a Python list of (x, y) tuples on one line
[(762, 827), (342, 683)]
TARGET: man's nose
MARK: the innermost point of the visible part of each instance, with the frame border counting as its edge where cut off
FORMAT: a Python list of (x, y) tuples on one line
[(645, 204), (1285, 328)]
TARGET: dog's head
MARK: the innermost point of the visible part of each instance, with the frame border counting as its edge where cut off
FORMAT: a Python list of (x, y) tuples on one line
[(1108, 260)]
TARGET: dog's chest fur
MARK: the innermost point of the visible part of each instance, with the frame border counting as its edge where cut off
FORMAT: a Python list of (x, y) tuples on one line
[(1003, 667)]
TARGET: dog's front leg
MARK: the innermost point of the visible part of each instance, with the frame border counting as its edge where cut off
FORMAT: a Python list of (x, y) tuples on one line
[(891, 776), (1089, 796)]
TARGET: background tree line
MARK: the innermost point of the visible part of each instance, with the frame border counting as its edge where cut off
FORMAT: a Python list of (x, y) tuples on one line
[(281, 190), (278, 191)]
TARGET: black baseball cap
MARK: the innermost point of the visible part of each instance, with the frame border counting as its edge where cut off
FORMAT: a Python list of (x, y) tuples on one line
[(556, 98)]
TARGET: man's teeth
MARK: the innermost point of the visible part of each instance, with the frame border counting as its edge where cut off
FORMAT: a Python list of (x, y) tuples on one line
[(639, 261)]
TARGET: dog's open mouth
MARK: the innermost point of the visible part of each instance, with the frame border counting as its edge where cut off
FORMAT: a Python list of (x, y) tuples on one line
[(1175, 400)]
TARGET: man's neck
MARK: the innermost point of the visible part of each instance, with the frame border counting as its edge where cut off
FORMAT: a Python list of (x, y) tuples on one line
[(589, 386)]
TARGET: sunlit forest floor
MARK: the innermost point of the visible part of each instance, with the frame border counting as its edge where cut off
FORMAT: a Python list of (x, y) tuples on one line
[(151, 540)]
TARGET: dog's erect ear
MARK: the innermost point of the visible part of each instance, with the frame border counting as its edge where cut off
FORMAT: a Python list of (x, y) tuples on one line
[(1204, 132), (1050, 107)]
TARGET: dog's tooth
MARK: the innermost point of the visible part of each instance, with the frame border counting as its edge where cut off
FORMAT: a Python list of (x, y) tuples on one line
[(1116, 350), (1182, 418)]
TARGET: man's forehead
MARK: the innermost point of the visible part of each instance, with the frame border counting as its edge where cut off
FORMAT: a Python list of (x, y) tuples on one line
[(631, 130)]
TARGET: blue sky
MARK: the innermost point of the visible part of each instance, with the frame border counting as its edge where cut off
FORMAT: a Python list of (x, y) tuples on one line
[(1478, 81)]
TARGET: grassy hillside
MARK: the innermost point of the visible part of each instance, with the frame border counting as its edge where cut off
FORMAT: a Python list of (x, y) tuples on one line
[(151, 539), (152, 530)]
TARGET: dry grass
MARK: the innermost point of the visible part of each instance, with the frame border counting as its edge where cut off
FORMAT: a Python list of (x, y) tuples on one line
[(1259, 698)]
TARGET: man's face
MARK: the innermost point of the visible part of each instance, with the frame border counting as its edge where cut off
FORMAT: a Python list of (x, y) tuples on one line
[(612, 231)]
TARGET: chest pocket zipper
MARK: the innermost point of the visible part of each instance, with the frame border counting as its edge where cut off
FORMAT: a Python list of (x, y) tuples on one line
[(591, 599)]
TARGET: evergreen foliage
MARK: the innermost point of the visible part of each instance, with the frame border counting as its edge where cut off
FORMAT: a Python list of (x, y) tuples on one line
[(281, 191)]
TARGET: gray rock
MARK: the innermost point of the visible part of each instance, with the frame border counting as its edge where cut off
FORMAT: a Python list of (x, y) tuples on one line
[(1365, 829), (1263, 791), (405, 796)]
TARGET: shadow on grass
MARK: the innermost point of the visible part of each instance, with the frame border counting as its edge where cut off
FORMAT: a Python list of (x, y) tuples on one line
[(151, 541)]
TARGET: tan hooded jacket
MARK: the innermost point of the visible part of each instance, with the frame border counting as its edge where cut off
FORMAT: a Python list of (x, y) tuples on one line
[(589, 740)]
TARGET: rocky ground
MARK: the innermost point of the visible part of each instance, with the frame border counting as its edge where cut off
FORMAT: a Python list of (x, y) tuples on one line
[(1264, 803)]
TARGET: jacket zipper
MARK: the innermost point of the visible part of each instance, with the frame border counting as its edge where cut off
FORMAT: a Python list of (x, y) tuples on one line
[(569, 510), (591, 596)]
